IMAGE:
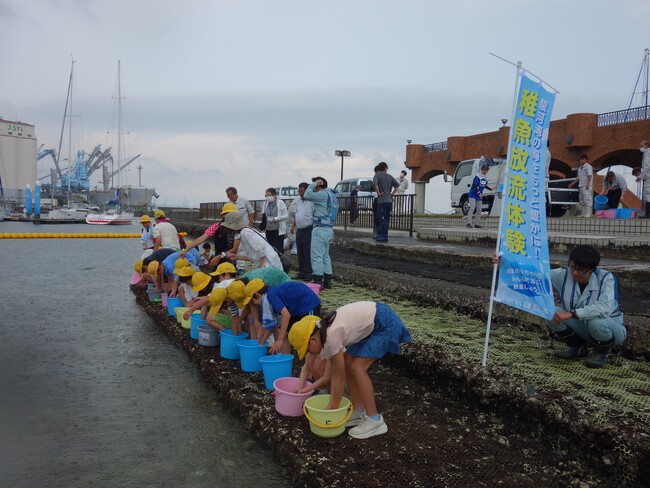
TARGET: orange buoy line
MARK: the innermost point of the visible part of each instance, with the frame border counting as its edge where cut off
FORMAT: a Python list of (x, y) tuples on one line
[(69, 235)]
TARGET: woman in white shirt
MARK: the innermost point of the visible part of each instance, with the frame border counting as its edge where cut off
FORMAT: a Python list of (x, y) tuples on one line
[(353, 338), (277, 215)]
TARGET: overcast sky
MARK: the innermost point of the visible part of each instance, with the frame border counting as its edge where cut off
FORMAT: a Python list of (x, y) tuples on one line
[(261, 93)]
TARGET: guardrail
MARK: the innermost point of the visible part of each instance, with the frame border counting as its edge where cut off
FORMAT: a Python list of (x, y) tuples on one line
[(608, 118), (622, 116), (401, 215), (436, 146)]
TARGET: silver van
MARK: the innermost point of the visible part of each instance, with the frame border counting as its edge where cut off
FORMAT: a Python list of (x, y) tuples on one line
[(344, 188)]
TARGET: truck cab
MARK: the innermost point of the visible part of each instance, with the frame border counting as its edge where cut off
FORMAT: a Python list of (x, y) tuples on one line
[(287, 192), (558, 196), (462, 181)]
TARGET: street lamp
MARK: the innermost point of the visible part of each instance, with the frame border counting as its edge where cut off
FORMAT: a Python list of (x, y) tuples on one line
[(343, 154), (504, 122)]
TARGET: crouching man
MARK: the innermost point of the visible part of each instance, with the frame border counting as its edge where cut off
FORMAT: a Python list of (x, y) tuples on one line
[(589, 316)]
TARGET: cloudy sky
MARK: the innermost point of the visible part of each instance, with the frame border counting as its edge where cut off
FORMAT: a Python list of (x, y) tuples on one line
[(258, 93)]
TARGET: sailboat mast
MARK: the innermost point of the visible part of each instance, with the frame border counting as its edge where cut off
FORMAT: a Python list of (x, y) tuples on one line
[(70, 139), (646, 62), (65, 114), (119, 125)]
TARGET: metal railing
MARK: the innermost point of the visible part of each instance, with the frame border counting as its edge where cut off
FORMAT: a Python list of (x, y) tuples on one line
[(401, 215), (212, 210), (436, 146), (609, 118), (622, 116)]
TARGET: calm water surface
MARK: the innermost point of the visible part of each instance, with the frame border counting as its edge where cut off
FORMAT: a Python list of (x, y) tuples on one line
[(92, 394)]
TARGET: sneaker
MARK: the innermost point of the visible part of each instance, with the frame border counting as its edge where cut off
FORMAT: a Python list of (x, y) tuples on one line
[(355, 419), (369, 428), (469, 225), (477, 226)]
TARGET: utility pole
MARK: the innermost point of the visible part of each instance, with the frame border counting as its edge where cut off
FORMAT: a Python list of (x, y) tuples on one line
[(140, 175)]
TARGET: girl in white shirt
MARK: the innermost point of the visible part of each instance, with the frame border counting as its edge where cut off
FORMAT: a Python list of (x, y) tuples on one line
[(353, 338)]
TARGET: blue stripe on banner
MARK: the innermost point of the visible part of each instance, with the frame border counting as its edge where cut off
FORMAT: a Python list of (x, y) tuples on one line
[(525, 272)]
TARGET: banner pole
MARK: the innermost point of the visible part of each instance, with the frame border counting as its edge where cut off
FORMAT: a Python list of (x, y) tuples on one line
[(503, 210)]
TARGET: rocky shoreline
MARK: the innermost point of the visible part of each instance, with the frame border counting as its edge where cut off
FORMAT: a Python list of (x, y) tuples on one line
[(451, 422), (454, 423)]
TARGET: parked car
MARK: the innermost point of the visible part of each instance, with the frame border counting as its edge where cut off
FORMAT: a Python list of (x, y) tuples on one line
[(344, 188), (287, 192)]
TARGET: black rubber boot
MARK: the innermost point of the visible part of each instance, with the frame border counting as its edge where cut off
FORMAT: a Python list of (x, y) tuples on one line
[(577, 345), (317, 279), (598, 353), (327, 281)]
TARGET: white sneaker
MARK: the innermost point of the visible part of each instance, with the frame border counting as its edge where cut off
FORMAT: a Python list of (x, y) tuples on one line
[(356, 418), (369, 428)]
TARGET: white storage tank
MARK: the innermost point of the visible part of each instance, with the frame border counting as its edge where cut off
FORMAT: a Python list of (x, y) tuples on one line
[(17, 158)]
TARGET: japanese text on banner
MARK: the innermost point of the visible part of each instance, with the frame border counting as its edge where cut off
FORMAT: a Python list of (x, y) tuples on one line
[(524, 274)]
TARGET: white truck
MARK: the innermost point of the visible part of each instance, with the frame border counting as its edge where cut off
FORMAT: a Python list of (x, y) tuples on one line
[(558, 196)]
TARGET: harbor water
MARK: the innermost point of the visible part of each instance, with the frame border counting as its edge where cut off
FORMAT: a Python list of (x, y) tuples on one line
[(91, 392)]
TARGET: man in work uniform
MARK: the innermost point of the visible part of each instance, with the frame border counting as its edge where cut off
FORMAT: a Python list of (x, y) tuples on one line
[(584, 182), (644, 175), (322, 234)]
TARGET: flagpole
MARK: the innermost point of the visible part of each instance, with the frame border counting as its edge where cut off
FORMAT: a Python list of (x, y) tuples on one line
[(503, 210)]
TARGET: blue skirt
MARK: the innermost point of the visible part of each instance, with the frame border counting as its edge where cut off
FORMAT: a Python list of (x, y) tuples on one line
[(388, 334)]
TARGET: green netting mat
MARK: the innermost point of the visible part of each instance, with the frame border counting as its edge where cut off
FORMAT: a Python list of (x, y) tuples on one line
[(619, 390)]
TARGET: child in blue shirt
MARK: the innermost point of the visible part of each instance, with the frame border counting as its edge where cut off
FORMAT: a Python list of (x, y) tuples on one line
[(291, 300), (476, 196)]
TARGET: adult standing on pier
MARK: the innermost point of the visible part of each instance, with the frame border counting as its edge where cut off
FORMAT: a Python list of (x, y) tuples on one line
[(584, 182), (644, 175), (302, 226), (322, 235), (385, 186)]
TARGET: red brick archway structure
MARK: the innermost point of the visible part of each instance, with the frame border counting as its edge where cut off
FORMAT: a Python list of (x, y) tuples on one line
[(608, 139)]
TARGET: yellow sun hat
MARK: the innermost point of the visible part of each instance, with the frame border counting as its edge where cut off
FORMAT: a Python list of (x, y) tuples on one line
[(228, 207), (300, 333), (224, 268), (138, 266), (180, 263), (152, 267), (158, 214), (145, 218), (199, 281), (253, 287), (217, 296), (237, 292), (186, 271)]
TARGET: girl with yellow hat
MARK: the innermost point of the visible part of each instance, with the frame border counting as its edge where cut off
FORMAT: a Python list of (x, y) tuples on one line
[(353, 338)]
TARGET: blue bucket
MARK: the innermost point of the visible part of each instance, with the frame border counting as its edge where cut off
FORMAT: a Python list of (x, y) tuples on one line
[(600, 202), (172, 303), (274, 367), (195, 322), (250, 352), (625, 213), (229, 349)]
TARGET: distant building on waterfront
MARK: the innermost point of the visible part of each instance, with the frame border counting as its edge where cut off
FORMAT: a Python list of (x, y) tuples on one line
[(17, 158)]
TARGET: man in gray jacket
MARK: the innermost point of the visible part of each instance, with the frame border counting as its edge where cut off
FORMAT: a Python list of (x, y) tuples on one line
[(385, 186)]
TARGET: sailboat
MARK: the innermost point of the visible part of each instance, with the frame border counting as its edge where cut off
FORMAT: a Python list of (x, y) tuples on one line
[(115, 216)]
